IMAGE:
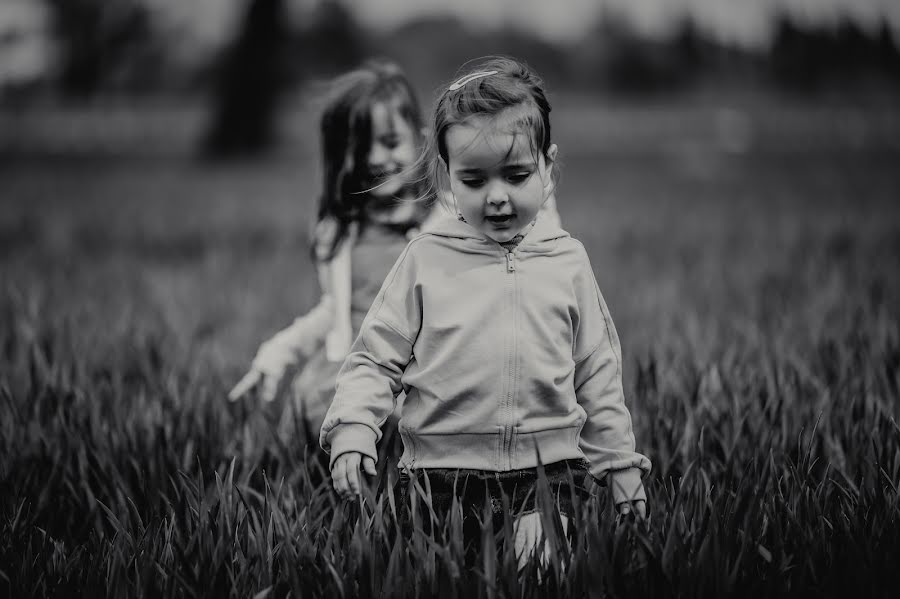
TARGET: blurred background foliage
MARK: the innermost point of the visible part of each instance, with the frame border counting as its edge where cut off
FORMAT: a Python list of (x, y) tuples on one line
[(250, 58)]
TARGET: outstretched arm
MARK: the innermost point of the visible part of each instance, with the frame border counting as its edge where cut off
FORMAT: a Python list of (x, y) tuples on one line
[(278, 356)]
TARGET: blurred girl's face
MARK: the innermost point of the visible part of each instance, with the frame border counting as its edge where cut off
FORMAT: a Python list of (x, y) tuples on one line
[(393, 149)]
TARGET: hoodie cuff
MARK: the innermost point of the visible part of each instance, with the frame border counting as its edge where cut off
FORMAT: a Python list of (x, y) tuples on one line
[(351, 437), (626, 485)]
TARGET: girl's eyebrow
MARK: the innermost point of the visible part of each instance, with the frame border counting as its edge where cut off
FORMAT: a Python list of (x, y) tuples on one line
[(506, 167)]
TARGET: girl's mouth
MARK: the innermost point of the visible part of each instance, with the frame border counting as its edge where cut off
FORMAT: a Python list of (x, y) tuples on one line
[(378, 174), (386, 182), (500, 219)]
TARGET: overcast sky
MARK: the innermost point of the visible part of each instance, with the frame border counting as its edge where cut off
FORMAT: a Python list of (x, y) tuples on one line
[(743, 21), (207, 24), (202, 26)]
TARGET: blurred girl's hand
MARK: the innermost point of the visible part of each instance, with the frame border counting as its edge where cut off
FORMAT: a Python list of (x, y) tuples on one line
[(273, 364)]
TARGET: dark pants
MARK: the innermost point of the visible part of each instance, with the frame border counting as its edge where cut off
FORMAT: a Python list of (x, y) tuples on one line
[(478, 490)]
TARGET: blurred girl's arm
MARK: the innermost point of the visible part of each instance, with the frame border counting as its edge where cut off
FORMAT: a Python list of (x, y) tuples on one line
[(607, 438), (302, 337), (370, 378), (278, 356)]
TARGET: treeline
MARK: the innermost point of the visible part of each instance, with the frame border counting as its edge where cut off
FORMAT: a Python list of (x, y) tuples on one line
[(112, 46)]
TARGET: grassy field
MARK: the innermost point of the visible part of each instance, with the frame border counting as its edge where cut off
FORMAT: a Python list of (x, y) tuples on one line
[(756, 294)]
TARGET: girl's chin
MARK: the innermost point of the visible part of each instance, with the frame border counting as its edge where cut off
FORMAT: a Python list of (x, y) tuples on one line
[(501, 235)]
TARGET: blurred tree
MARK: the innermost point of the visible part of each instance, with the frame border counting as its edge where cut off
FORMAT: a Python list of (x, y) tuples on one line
[(689, 44), (250, 79), (632, 64), (546, 58), (844, 58), (330, 42), (102, 44), (888, 53), (432, 48), (696, 57)]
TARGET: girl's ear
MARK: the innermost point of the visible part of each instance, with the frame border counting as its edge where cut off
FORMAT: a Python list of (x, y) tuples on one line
[(549, 162), (550, 157)]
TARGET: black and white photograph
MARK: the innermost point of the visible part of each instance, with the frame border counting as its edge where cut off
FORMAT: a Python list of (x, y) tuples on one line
[(490, 299)]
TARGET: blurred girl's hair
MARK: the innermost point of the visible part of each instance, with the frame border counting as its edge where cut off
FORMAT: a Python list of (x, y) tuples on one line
[(346, 137), (512, 88)]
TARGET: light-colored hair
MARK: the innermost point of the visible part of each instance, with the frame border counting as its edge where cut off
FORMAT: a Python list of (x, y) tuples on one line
[(487, 87)]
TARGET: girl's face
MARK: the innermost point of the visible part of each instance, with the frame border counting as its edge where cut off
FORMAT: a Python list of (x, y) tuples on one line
[(498, 185), (393, 149)]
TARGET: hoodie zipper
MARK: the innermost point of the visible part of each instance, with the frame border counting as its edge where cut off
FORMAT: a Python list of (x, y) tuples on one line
[(506, 441)]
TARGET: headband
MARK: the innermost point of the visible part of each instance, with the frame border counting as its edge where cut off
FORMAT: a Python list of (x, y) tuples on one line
[(470, 77)]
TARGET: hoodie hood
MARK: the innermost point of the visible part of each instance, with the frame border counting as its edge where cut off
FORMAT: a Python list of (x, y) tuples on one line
[(544, 230)]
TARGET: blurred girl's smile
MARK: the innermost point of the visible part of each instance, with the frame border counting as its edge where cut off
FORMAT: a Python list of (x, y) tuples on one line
[(393, 149)]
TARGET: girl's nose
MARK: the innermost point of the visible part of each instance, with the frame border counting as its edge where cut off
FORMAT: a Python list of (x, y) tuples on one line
[(496, 195), (379, 155)]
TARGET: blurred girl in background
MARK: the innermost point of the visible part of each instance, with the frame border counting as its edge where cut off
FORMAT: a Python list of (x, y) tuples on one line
[(371, 130)]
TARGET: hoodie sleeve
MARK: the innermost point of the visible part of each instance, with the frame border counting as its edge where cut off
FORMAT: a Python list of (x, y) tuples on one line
[(370, 378), (607, 438)]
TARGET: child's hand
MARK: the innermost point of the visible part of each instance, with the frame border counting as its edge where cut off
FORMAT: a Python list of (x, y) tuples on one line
[(345, 472), (628, 493), (268, 373), (638, 508), (245, 385)]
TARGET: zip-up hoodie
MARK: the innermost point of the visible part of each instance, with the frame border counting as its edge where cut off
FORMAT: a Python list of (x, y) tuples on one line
[(507, 358)]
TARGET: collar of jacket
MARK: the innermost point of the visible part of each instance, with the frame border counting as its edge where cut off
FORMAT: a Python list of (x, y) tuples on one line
[(544, 231)]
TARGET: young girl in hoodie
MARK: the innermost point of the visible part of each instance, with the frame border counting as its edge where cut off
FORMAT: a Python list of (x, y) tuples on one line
[(493, 326)]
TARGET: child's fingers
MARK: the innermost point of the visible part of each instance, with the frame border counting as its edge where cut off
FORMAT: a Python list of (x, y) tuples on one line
[(245, 385), (640, 507), (369, 466), (353, 473), (269, 388), (339, 476), (345, 475)]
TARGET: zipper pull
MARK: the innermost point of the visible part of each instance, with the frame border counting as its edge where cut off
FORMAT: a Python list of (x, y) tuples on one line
[(510, 265)]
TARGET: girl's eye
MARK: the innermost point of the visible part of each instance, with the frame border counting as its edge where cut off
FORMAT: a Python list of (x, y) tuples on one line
[(517, 178), (472, 182)]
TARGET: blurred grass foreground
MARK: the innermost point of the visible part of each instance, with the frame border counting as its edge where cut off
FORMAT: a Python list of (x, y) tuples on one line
[(746, 239)]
